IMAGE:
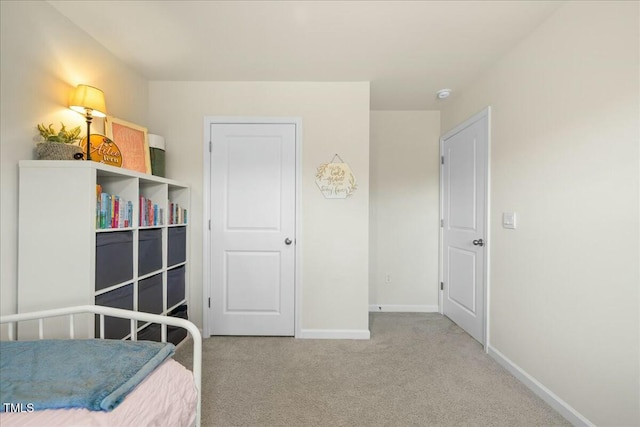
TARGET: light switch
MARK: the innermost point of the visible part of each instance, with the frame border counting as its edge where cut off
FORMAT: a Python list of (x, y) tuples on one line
[(509, 220)]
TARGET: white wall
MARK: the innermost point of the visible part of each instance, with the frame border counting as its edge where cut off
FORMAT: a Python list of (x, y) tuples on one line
[(404, 210), (43, 57), (564, 157), (335, 119)]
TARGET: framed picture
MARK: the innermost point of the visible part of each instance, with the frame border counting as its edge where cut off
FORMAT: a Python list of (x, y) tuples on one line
[(132, 141)]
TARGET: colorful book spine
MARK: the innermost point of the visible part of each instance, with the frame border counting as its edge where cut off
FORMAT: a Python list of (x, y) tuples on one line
[(112, 211), (129, 214), (177, 215), (104, 200), (141, 206), (116, 212), (150, 214), (98, 198), (121, 214), (109, 210)]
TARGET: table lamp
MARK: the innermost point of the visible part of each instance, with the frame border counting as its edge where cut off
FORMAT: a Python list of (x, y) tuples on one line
[(89, 101)]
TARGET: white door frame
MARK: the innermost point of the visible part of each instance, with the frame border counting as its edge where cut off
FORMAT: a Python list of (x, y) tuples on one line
[(206, 211), (483, 114)]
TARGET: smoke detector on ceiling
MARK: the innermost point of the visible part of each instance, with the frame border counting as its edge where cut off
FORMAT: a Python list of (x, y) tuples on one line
[(443, 93)]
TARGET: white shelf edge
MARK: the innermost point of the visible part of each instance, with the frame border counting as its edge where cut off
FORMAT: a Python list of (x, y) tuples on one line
[(111, 230), (183, 302), (174, 266), (148, 275), (113, 288)]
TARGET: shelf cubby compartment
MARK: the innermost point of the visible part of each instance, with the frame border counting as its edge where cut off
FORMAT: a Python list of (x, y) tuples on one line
[(177, 196), (156, 195), (118, 184), (125, 188)]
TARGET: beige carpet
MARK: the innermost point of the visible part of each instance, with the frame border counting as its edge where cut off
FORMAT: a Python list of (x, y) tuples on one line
[(417, 370)]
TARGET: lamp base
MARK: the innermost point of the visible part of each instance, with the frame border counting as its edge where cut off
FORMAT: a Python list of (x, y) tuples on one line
[(89, 118)]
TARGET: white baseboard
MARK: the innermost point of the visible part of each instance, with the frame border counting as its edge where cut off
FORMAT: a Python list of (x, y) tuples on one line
[(334, 334), (568, 412), (396, 308)]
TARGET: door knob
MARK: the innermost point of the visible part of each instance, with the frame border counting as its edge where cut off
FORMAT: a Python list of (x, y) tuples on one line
[(478, 242), (287, 241)]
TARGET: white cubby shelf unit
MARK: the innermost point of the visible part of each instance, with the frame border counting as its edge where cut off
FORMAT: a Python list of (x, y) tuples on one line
[(65, 258)]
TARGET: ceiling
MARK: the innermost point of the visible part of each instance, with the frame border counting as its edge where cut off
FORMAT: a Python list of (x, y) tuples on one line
[(406, 49)]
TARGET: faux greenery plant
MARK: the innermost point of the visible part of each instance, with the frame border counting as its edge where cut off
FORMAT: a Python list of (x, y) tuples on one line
[(64, 136)]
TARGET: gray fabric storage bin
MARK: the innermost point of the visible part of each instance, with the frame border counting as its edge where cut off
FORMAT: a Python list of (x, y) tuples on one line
[(114, 258), (175, 286), (150, 294), (177, 245), (149, 251), (115, 328), (175, 335), (151, 333)]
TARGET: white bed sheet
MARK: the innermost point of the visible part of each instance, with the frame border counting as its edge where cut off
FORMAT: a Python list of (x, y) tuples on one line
[(167, 397)]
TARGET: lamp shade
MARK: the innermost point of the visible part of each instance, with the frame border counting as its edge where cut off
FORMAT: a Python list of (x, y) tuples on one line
[(85, 98)]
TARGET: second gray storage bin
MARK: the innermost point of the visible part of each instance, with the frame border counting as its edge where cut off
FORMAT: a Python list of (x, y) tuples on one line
[(114, 258), (115, 328), (149, 251), (175, 286), (150, 294), (177, 245)]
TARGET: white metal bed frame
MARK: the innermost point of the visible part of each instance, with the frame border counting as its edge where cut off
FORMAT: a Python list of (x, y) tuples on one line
[(11, 321)]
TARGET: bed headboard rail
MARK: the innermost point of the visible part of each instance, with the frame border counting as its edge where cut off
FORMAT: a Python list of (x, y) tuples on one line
[(12, 320)]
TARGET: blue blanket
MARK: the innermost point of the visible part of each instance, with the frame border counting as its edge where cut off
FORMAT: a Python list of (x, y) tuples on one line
[(92, 374)]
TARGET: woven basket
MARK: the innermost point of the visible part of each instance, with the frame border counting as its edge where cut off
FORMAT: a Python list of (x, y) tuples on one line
[(58, 151)]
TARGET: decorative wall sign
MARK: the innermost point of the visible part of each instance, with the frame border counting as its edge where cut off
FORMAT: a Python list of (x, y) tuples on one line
[(103, 150), (335, 180), (132, 141)]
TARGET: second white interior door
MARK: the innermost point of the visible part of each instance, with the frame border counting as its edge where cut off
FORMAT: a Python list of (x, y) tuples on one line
[(464, 185), (253, 229)]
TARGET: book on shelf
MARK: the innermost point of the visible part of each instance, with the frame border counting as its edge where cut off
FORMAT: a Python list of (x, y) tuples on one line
[(116, 212), (98, 199), (150, 213), (112, 211), (177, 215)]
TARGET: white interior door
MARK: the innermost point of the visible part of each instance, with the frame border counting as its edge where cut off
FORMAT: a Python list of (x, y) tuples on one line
[(464, 208), (252, 229)]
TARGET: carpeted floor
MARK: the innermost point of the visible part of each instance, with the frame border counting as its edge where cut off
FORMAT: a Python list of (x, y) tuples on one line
[(417, 370)]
